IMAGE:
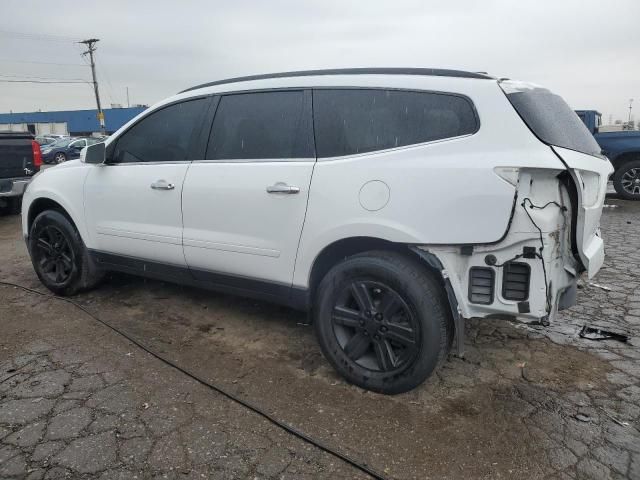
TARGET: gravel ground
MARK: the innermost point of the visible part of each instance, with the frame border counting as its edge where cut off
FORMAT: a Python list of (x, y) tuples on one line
[(79, 401)]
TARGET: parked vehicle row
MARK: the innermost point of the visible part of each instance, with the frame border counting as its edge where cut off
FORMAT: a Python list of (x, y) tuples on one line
[(66, 149), (392, 204)]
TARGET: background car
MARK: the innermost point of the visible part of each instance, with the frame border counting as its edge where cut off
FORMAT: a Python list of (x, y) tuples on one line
[(66, 149), (44, 140)]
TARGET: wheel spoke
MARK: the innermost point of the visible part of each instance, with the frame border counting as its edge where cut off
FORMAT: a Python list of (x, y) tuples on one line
[(357, 346), (401, 334), (362, 296), (47, 265), (389, 305), (384, 354), (346, 316), (66, 262), (59, 272), (44, 245)]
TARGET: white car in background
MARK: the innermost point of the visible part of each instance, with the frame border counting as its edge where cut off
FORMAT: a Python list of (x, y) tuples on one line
[(390, 203)]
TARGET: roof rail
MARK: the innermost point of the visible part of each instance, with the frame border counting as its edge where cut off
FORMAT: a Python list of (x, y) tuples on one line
[(437, 72)]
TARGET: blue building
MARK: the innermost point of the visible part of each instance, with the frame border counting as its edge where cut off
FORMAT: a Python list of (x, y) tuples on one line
[(78, 122)]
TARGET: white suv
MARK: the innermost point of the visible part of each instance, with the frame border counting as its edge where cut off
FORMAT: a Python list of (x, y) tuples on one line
[(392, 204)]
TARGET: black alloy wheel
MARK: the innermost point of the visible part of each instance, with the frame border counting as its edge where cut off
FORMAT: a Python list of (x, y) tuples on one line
[(375, 327), (626, 180), (54, 255), (59, 256), (382, 321)]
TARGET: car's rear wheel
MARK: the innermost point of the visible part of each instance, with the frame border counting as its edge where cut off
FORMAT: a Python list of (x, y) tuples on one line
[(60, 157), (59, 255), (382, 321), (626, 180)]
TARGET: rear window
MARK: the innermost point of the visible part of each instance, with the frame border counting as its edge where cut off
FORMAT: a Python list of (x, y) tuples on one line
[(263, 125), (550, 118), (351, 121)]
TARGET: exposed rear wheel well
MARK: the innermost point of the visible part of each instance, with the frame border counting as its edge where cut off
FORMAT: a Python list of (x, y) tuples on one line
[(347, 247), (40, 205)]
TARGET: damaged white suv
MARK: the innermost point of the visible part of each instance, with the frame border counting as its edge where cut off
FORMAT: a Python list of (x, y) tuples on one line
[(390, 203)]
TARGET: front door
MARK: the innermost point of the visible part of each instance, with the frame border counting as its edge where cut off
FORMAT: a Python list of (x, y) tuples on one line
[(134, 200), (244, 204)]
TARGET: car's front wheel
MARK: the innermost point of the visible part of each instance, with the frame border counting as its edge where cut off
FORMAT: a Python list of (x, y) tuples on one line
[(382, 321), (60, 157), (626, 180), (59, 255)]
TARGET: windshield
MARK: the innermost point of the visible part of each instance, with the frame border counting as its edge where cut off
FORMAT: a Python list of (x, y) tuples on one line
[(550, 118)]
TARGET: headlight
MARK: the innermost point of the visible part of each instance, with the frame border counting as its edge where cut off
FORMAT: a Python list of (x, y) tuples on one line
[(46, 150)]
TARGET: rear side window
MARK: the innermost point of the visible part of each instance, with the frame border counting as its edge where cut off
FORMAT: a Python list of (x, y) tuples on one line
[(163, 136), (265, 125), (550, 118), (350, 121)]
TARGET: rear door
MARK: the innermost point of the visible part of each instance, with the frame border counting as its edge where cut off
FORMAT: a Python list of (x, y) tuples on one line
[(244, 204), (133, 202)]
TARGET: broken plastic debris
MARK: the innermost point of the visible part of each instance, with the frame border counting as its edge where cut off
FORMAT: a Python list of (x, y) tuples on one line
[(597, 333), (582, 417), (619, 422), (603, 287)]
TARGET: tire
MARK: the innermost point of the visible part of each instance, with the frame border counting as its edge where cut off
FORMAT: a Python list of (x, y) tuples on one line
[(409, 320), (626, 180), (59, 255), (59, 157)]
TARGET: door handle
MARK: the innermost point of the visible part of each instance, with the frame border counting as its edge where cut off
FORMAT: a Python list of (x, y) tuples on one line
[(283, 188), (162, 185)]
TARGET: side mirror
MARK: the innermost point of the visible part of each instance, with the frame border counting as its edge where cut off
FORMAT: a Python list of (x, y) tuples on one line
[(96, 154)]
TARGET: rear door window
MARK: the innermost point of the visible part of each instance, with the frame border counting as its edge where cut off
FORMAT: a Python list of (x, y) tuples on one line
[(262, 125), (352, 121), (163, 136), (550, 118)]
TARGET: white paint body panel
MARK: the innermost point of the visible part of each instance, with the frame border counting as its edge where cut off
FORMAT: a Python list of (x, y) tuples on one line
[(125, 216), (232, 225)]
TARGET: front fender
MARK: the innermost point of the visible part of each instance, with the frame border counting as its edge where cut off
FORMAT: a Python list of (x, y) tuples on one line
[(64, 185)]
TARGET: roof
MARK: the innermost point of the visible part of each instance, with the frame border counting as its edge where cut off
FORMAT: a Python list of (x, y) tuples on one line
[(76, 120), (437, 72)]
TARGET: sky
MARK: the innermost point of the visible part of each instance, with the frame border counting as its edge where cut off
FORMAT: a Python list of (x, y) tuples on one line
[(588, 51)]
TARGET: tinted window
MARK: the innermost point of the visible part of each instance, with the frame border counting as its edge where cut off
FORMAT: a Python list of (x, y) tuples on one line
[(261, 125), (551, 119), (364, 120), (163, 136)]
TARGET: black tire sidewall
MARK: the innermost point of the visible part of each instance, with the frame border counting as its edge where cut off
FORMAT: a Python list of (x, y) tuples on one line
[(423, 298), (57, 219), (617, 179)]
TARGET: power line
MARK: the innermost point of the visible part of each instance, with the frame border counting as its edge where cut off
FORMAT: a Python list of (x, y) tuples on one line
[(8, 60), (39, 36), (31, 77), (42, 81)]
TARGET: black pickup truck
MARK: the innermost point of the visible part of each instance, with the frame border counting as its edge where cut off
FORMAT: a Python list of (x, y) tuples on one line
[(20, 159)]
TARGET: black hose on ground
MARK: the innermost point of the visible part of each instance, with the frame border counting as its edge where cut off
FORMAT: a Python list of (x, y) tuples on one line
[(362, 466)]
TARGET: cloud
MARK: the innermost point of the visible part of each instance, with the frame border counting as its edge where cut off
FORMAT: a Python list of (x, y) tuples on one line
[(585, 50)]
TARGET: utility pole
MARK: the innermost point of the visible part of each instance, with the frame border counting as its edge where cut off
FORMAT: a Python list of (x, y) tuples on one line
[(91, 47), (128, 104), (629, 120)]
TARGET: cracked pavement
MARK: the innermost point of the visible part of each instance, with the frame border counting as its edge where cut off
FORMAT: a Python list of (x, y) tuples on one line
[(79, 401)]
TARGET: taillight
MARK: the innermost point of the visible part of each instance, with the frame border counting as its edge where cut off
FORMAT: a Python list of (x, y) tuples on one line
[(37, 154)]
